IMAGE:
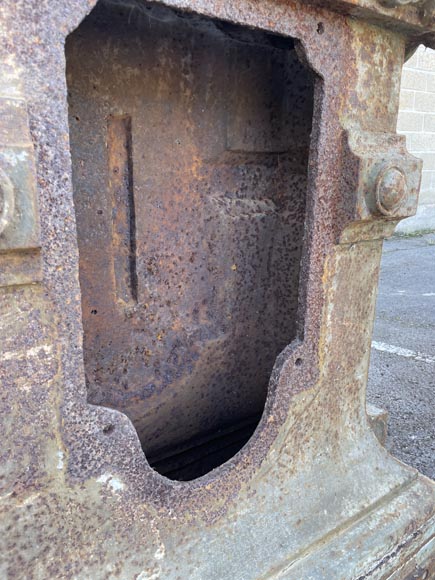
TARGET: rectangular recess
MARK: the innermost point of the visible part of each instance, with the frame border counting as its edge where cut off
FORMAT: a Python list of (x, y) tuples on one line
[(119, 148)]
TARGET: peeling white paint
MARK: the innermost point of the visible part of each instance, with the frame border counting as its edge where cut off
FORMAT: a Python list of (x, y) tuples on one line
[(113, 482), (151, 575), (160, 552), (29, 353), (60, 458), (16, 157)]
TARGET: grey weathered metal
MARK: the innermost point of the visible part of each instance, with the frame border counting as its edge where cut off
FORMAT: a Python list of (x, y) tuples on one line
[(193, 198)]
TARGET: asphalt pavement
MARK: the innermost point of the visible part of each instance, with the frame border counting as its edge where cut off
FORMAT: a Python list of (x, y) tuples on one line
[(402, 368)]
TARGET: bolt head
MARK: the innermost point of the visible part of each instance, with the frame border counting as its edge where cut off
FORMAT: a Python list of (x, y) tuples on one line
[(391, 190)]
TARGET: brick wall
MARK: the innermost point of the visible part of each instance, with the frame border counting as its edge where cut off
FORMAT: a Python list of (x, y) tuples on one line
[(417, 122)]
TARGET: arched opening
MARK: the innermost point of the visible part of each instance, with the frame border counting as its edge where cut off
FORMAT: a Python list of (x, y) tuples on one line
[(190, 141)]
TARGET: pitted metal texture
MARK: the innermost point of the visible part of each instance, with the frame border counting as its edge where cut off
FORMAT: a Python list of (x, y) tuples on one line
[(312, 493)]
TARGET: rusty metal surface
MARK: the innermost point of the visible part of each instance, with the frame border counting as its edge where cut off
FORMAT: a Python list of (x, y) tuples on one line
[(312, 493), (415, 19), (19, 219)]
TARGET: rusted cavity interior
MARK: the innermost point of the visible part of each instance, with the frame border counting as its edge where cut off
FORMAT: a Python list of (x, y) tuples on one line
[(189, 140)]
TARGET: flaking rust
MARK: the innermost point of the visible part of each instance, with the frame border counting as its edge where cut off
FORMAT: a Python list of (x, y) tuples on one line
[(186, 313)]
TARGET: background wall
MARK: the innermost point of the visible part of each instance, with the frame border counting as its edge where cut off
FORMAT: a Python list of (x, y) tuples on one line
[(417, 122)]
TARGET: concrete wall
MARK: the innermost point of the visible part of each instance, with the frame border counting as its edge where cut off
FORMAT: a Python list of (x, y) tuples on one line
[(417, 122)]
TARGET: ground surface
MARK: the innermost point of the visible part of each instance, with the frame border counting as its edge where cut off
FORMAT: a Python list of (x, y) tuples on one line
[(402, 370)]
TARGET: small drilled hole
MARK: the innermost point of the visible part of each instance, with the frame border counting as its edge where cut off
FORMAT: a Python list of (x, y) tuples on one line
[(298, 362), (107, 429), (94, 311), (320, 28)]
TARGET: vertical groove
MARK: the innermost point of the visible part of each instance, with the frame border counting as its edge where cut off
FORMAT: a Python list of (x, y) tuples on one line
[(119, 147)]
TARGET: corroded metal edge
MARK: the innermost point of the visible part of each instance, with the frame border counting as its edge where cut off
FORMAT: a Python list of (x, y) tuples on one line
[(414, 18)]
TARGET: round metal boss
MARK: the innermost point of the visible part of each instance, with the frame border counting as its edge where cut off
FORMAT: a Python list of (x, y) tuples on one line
[(391, 190)]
